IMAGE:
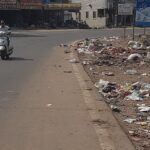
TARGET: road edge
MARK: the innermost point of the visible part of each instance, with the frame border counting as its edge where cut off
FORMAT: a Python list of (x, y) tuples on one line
[(96, 108)]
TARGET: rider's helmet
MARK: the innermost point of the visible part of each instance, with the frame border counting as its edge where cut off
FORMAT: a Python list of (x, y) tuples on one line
[(2, 23)]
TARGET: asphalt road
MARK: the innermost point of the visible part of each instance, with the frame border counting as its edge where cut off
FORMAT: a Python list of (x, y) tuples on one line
[(32, 49)]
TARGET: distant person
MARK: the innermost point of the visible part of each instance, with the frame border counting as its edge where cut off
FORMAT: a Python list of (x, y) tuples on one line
[(3, 27)]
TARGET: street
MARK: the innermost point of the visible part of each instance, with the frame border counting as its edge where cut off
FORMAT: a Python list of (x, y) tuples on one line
[(41, 107)]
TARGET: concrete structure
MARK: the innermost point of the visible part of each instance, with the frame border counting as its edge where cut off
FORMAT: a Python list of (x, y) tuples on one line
[(102, 13), (38, 13), (93, 12)]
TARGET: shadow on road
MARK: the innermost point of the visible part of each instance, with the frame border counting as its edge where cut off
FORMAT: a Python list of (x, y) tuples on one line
[(25, 35), (19, 59)]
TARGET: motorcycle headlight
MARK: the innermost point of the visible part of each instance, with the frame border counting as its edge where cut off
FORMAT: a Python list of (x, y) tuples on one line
[(2, 48)]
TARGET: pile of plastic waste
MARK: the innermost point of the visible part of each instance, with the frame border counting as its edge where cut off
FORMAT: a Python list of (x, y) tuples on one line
[(136, 91), (102, 47), (123, 69), (139, 92)]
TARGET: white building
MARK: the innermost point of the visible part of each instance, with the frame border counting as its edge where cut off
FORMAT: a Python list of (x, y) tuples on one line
[(93, 12)]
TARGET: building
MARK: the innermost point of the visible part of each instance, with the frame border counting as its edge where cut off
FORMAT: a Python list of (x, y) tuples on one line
[(57, 12), (24, 13), (18, 13), (93, 13), (114, 19), (103, 13)]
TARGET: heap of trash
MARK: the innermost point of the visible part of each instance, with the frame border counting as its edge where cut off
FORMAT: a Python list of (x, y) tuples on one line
[(136, 91), (133, 51), (120, 70)]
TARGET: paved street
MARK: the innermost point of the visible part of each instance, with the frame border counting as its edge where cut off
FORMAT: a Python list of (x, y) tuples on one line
[(32, 47), (41, 107)]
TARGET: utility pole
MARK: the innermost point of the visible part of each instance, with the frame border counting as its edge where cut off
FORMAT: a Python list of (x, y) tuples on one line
[(116, 12)]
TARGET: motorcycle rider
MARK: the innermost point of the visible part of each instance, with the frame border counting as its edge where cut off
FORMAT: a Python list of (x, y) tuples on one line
[(5, 28)]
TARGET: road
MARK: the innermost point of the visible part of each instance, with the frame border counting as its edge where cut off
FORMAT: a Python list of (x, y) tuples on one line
[(32, 47), (41, 108)]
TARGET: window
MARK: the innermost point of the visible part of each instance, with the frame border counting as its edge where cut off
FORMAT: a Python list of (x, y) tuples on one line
[(101, 12), (87, 14), (94, 14)]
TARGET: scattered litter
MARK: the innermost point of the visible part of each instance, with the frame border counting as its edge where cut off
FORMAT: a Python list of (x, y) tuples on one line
[(135, 45), (114, 108), (148, 55), (136, 91), (73, 61), (137, 139), (85, 63), (109, 61), (131, 132), (67, 50), (48, 105), (129, 120), (144, 123), (131, 72), (102, 83), (91, 69), (63, 45), (144, 74), (108, 73), (67, 71), (147, 86), (135, 57), (144, 108), (148, 118), (136, 96), (89, 89)]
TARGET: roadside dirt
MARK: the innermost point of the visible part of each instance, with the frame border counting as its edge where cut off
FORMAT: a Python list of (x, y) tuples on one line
[(112, 66)]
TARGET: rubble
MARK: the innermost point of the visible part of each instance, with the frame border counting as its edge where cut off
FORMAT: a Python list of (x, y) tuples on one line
[(120, 70)]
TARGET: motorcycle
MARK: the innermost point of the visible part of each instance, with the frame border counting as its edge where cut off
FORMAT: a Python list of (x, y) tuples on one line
[(6, 47)]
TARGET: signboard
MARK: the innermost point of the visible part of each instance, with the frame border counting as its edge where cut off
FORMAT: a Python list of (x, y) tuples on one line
[(125, 9), (143, 13), (8, 4), (31, 4)]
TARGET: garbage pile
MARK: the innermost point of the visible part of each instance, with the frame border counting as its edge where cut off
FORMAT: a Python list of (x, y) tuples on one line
[(110, 51), (136, 91), (120, 69)]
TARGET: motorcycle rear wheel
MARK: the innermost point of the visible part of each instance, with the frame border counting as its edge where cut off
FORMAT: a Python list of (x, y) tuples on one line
[(4, 57)]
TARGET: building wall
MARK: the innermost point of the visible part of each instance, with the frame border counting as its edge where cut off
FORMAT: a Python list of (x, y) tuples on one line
[(55, 1), (98, 7)]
